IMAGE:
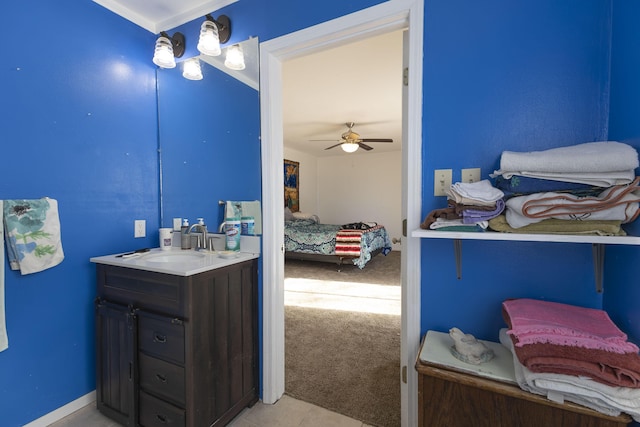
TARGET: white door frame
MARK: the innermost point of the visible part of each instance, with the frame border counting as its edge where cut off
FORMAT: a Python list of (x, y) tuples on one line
[(388, 16)]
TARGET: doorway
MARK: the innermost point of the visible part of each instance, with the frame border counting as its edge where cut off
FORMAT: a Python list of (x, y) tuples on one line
[(342, 324), (384, 17)]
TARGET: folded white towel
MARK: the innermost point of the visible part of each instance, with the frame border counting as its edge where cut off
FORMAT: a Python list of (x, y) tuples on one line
[(481, 191), (32, 233), (601, 156)]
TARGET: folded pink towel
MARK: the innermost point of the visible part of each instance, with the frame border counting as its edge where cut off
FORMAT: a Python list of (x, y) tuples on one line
[(543, 322)]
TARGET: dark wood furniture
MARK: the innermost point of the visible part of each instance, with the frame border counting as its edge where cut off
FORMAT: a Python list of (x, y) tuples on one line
[(451, 398), (174, 350)]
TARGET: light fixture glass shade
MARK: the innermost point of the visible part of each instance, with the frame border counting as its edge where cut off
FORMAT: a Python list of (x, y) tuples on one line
[(350, 147), (209, 42), (191, 69), (235, 58), (163, 55)]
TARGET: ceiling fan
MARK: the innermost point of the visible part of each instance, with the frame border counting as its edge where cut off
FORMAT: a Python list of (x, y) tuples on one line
[(351, 141)]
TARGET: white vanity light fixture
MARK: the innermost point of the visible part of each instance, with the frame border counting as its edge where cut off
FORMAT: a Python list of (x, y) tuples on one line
[(235, 58), (191, 69), (349, 147), (212, 33), (168, 48)]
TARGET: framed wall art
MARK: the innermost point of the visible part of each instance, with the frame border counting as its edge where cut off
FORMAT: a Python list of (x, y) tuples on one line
[(291, 185)]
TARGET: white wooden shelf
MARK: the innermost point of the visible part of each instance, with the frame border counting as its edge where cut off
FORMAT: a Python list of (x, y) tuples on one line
[(598, 244)]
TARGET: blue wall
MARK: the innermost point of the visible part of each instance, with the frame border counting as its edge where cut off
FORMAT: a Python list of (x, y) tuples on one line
[(79, 124), (514, 76)]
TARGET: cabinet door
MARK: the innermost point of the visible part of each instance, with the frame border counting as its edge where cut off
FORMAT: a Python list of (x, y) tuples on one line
[(115, 370)]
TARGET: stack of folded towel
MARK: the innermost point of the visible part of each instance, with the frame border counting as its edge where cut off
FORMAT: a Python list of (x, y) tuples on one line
[(587, 188), (571, 353), (470, 207)]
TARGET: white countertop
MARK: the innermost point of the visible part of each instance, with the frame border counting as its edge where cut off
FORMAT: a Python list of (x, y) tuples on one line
[(148, 261)]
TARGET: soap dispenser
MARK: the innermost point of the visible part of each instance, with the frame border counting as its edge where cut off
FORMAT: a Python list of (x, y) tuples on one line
[(185, 239)]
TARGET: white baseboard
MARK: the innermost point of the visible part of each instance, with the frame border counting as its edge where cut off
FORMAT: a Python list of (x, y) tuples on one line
[(63, 411)]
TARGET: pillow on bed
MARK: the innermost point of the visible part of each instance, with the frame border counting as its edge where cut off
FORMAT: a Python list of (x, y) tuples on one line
[(304, 215), (288, 215)]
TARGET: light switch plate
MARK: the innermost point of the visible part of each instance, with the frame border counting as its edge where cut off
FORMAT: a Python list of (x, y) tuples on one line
[(140, 228), (177, 223), (470, 175), (441, 181)]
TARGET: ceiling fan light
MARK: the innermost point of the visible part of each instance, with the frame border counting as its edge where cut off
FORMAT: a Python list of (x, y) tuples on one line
[(349, 147)]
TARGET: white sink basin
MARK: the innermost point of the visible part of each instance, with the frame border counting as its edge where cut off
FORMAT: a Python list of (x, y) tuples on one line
[(174, 257)]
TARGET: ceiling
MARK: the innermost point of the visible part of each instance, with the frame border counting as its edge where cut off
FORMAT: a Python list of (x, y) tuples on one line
[(162, 15), (359, 82)]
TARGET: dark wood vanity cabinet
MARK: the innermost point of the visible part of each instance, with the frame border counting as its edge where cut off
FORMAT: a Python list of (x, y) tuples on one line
[(174, 350)]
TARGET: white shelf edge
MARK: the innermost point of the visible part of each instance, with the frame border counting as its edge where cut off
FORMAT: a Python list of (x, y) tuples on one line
[(558, 238)]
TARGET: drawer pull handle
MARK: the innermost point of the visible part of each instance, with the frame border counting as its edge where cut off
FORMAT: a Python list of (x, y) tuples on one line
[(161, 418), (161, 378), (159, 338)]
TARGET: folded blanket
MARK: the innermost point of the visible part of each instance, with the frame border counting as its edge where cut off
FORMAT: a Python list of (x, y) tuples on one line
[(615, 203), (561, 226), (349, 241), (610, 400), (601, 156), (544, 322), (518, 185), (32, 233), (596, 179)]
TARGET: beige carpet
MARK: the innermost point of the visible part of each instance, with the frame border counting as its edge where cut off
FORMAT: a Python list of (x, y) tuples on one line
[(342, 348)]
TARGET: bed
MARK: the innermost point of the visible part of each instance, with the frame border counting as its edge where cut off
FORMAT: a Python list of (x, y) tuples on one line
[(306, 239)]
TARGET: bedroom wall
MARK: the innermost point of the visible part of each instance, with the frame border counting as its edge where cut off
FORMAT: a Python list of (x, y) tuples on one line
[(357, 187), (362, 187)]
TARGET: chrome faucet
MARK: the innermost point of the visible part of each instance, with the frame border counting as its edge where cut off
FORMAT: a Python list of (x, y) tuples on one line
[(202, 243)]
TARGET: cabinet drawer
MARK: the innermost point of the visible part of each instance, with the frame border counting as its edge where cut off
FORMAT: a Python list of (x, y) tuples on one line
[(162, 337), (162, 379), (158, 413), (159, 292)]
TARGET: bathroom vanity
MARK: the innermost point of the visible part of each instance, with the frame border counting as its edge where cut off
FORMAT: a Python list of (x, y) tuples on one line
[(176, 341)]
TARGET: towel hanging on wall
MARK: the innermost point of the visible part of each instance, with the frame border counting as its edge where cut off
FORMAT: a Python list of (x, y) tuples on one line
[(32, 233)]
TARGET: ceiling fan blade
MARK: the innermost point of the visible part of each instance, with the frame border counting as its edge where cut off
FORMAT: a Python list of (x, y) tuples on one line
[(376, 140), (365, 146), (326, 140), (333, 146)]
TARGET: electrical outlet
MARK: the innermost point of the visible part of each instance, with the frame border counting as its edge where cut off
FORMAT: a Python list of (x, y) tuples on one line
[(470, 175), (177, 223), (441, 181), (140, 228)]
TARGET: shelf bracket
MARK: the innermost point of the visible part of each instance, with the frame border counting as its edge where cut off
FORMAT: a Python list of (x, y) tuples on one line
[(457, 250), (597, 250)]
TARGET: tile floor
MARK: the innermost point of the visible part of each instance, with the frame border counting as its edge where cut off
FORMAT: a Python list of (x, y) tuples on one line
[(287, 412)]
